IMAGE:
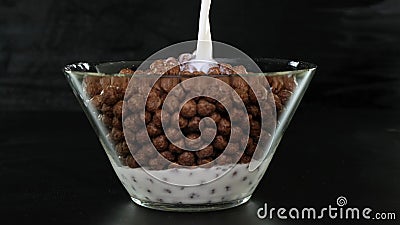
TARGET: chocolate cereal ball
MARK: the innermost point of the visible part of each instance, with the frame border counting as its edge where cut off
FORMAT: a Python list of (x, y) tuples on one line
[(160, 143), (111, 95), (205, 108), (186, 159), (220, 142), (174, 149), (205, 152), (131, 162), (189, 109), (224, 127), (168, 156)]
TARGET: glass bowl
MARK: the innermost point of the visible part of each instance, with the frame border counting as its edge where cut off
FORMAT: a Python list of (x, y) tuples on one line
[(192, 181)]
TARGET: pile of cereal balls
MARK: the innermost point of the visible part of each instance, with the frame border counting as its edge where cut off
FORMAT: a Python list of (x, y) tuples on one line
[(106, 94)]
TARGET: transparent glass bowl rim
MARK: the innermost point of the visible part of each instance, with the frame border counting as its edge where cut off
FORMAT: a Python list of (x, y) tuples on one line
[(271, 66)]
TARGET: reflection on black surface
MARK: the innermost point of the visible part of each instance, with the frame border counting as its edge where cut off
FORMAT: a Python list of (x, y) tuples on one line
[(130, 213)]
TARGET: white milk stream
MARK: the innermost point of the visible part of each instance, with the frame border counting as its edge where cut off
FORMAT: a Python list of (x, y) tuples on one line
[(204, 43)]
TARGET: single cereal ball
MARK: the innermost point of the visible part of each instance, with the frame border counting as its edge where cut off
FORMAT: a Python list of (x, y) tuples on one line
[(173, 71), (220, 142), (179, 92), (142, 136), (132, 121), (240, 70), (205, 108), (168, 156), (160, 143), (105, 82), (130, 137), (147, 150), (153, 101), (224, 160), (127, 71), (214, 71), (156, 164), (251, 148), (278, 103), (224, 127), (167, 83), (284, 95), (157, 86), (204, 161), (158, 67), (232, 148), (225, 79), (174, 149), (255, 128), (153, 130), (183, 122), (237, 115), (245, 122), (194, 141), (208, 133), (135, 103), (227, 103), (246, 142), (97, 102), (236, 134), (254, 110), (193, 124), (122, 148), (216, 117), (289, 82), (252, 97), (110, 95), (117, 109), (189, 109), (238, 83), (276, 83), (173, 166), (245, 159), (116, 135), (157, 118), (122, 159), (107, 120), (210, 100), (147, 117), (107, 110), (141, 158), (120, 82), (205, 152), (131, 162), (185, 73), (117, 123), (198, 73), (173, 104), (226, 69), (186, 159), (92, 85), (170, 62), (173, 134), (243, 95)]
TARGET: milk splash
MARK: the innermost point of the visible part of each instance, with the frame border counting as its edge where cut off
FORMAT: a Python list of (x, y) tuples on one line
[(201, 59)]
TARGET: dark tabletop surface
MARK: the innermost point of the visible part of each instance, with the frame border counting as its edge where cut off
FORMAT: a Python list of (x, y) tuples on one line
[(56, 172), (344, 139)]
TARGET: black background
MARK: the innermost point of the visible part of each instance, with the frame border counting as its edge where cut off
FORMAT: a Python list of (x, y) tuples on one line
[(344, 138)]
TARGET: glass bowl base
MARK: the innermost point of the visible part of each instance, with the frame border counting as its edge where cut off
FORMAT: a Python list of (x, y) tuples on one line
[(191, 207)]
